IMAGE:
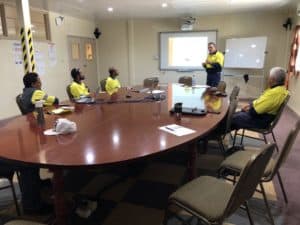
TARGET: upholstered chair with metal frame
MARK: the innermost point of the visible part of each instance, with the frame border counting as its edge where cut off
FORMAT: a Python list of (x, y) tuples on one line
[(186, 80), (211, 200), (269, 129), (237, 161), (151, 82), (234, 93)]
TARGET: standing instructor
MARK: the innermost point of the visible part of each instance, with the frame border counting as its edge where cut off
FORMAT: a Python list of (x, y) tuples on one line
[(213, 65)]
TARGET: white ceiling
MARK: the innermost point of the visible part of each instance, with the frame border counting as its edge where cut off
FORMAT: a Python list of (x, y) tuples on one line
[(97, 9)]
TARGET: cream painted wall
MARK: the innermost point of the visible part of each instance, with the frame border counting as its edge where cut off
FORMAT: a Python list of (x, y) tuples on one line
[(56, 77), (139, 40)]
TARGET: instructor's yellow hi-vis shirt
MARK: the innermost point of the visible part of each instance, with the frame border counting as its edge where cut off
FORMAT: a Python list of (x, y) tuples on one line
[(112, 85), (41, 95), (218, 57), (270, 101), (78, 90)]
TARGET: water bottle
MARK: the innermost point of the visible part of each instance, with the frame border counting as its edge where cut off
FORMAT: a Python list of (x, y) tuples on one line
[(40, 112), (193, 80)]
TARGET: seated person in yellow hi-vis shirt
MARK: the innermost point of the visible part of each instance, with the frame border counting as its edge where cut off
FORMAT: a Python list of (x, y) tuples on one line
[(262, 111), (32, 92), (213, 65), (78, 88), (112, 83)]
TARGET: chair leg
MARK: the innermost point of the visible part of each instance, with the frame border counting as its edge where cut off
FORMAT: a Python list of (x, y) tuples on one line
[(234, 138), (282, 188), (274, 139), (166, 217), (266, 203), (15, 197), (242, 138), (221, 145), (248, 213), (265, 139)]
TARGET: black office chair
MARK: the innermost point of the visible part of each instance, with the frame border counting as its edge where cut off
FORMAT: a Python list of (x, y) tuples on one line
[(20, 104), (68, 90), (103, 84)]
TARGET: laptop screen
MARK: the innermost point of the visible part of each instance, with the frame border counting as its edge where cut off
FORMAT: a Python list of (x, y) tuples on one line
[(189, 97)]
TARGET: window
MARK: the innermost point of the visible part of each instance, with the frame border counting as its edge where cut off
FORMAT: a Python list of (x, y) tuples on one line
[(75, 51), (1, 19), (40, 25), (88, 51), (9, 23), (11, 20), (294, 64)]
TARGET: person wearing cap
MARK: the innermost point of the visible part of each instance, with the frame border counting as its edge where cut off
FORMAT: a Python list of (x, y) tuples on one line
[(78, 88), (213, 65), (112, 83), (33, 92)]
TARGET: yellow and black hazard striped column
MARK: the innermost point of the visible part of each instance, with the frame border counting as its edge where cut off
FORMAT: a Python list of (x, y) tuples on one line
[(31, 52), (27, 48), (24, 49)]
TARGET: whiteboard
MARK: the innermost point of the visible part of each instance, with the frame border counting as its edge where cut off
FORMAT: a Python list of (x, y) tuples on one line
[(245, 52)]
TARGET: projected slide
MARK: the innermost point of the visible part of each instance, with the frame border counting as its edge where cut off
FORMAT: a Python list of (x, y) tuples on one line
[(184, 51), (187, 51)]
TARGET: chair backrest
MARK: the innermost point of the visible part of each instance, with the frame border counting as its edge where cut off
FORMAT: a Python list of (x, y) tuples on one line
[(283, 154), (231, 110), (20, 104), (151, 82), (234, 93), (278, 115), (186, 80), (103, 84), (222, 86), (68, 89), (249, 179)]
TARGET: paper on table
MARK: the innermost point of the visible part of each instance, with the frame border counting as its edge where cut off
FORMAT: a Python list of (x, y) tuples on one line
[(200, 86), (177, 130), (156, 92)]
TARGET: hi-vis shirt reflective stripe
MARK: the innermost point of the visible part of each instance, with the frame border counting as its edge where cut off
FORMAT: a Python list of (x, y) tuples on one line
[(218, 57), (270, 101), (41, 95)]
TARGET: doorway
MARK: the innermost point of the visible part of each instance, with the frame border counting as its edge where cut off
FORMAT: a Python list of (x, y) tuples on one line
[(82, 54)]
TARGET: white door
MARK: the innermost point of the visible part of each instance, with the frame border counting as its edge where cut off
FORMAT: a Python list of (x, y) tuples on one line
[(82, 54)]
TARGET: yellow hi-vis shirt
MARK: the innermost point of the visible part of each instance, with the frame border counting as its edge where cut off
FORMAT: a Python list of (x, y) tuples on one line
[(112, 85), (78, 90), (41, 95), (270, 101), (218, 57)]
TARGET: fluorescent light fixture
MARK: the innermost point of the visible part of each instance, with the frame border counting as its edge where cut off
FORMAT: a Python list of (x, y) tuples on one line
[(110, 9), (164, 5), (253, 46)]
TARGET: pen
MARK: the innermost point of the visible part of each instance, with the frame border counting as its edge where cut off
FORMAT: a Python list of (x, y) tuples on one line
[(168, 128)]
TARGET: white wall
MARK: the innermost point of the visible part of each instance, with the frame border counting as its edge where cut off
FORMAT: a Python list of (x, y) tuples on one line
[(136, 41), (56, 77)]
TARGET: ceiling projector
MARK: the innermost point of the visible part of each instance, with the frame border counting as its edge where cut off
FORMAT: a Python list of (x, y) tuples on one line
[(187, 23)]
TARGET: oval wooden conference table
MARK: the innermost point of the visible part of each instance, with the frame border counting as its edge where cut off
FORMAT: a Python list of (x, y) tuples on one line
[(115, 129)]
